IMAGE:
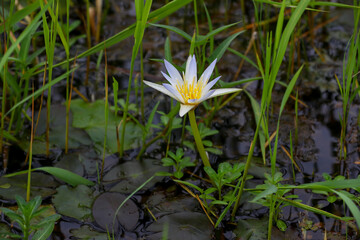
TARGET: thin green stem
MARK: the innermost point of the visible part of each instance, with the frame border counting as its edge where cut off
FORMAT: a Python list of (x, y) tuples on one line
[(106, 116), (28, 185), (196, 18), (197, 137), (247, 166), (67, 78), (142, 83)]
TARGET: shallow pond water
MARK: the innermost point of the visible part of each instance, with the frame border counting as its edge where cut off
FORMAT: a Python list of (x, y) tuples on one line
[(162, 205)]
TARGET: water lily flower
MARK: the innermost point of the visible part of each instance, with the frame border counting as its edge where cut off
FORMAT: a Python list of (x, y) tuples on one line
[(187, 89)]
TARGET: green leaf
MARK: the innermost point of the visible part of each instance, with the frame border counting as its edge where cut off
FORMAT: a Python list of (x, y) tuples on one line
[(190, 185), (333, 184), (173, 29), (89, 116), (178, 174), (163, 174), (351, 205), (40, 90), (272, 189), (20, 14), (154, 16), (220, 50), (167, 50), (22, 36), (74, 202), (215, 151), (211, 172), (331, 199), (218, 202), (167, 162), (151, 117), (44, 232), (64, 175), (281, 225)]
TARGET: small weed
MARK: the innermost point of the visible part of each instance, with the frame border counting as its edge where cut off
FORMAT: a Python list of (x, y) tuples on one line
[(178, 161), (25, 217)]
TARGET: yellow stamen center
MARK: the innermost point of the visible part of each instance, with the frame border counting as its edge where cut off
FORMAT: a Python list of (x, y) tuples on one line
[(190, 91)]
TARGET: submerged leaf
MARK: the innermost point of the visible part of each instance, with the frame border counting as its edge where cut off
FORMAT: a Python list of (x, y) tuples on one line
[(74, 202), (183, 225), (106, 205), (90, 117)]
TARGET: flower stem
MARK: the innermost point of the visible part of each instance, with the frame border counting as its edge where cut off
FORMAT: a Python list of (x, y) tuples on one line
[(197, 137)]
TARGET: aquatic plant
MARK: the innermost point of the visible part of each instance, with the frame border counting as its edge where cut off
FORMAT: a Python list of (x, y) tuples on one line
[(190, 92), (40, 41), (25, 217)]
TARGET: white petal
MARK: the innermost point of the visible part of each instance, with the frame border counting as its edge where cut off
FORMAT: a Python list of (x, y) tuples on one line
[(210, 85), (174, 92), (223, 91), (191, 70), (205, 96), (170, 80), (173, 72), (208, 71), (160, 88), (188, 64), (185, 109)]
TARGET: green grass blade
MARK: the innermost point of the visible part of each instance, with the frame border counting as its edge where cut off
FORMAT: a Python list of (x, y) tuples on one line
[(257, 114), (333, 184), (40, 90), (289, 89), (22, 36), (279, 27), (239, 54), (154, 16), (272, 189), (151, 118), (167, 50), (173, 29), (63, 174), (220, 50), (311, 209), (233, 84), (351, 205), (20, 14)]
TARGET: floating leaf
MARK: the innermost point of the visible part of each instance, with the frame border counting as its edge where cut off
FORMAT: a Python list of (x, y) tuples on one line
[(133, 174), (74, 202), (160, 204), (87, 233), (106, 205), (41, 184), (90, 117), (77, 137), (183, 225), (252, 229), (72, 163)]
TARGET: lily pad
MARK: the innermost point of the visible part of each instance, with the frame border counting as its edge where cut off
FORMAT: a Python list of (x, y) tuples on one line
[(77, 137), (133, 174), (159, 204), (74, 202), (91, 118), (72, 163), (87, 233), (90, 160), (182, 225), (41, 184), (105, 207), (252, 229)]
